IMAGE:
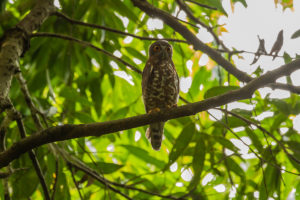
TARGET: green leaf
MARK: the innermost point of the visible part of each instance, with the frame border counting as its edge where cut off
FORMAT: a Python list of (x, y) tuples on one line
[(124, 10), (287, 58), (242, 1), (21, 190), (143, 155), (296, 34), (95, 88), (84, 117), (255, 140), (214, 3), (245, 113), (106, 168), (1, 191), (283, 106), (198, 162), (72, 95), (62, 188), (136, 53), (225, 142), (119, 114), (182, 142), (198, 79), (233, 166), (297, 193), (218, 90), (234, 122), (258, 71)]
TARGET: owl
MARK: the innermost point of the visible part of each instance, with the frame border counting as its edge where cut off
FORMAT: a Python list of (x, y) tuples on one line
[(160, 87)]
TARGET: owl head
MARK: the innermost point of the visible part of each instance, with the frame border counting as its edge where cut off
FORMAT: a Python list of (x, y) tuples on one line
[(160, 50)]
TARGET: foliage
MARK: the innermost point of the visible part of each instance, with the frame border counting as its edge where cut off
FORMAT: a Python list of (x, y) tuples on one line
[(72, 84)]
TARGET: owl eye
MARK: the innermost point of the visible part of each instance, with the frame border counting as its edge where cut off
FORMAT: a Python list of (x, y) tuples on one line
[(156, 48), (168, 49)]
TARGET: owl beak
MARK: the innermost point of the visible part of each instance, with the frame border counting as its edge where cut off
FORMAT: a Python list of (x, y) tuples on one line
[(164, 54)]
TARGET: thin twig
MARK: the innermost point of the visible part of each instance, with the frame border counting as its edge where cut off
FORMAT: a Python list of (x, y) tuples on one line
[(201, 5), (259, 157), (264, 177), (100, 179), (10, 172), (189, 13), (87, 44), (76, 163), (55, 180), (29, 101), (33, 158), (75, 182), (249, 122), (249, 52), (73, 21)]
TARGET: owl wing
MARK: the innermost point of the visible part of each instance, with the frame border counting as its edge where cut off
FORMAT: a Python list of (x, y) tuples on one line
[(145, 78), (176, 79)]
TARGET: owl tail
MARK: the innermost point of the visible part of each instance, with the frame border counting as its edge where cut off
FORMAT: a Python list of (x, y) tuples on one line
[(154, 133)]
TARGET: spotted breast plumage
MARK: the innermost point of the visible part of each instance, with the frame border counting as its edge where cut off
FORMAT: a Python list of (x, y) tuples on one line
[(160, 86)]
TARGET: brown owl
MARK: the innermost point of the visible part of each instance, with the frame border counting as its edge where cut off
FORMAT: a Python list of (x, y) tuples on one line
[(160, 86)]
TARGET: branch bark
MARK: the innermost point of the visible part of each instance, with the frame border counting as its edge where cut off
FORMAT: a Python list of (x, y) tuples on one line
[(15, 43), (190, 14), (199, 45), (191, 38), (65, 132)]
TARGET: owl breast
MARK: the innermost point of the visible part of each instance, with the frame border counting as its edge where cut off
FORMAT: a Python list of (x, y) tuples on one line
[(162, 88)]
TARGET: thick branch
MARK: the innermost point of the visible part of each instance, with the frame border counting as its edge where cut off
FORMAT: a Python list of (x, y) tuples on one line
[(190, 14), (15, 42), (191, 38), (65, 132), (198, 45)]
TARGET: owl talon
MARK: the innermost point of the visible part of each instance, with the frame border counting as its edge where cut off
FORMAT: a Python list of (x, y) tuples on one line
[(154, 110), (172, 106)]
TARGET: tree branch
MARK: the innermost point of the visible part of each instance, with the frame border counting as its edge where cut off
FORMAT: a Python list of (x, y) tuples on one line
[(189, 13), (73, 21), (289, 87), (15, 42), (32, 107), (75, 182), (79, 165), (68, 131), (73, 161), (33, 157), (198, 45), (249, 122), (191, 38), (87, 44)]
